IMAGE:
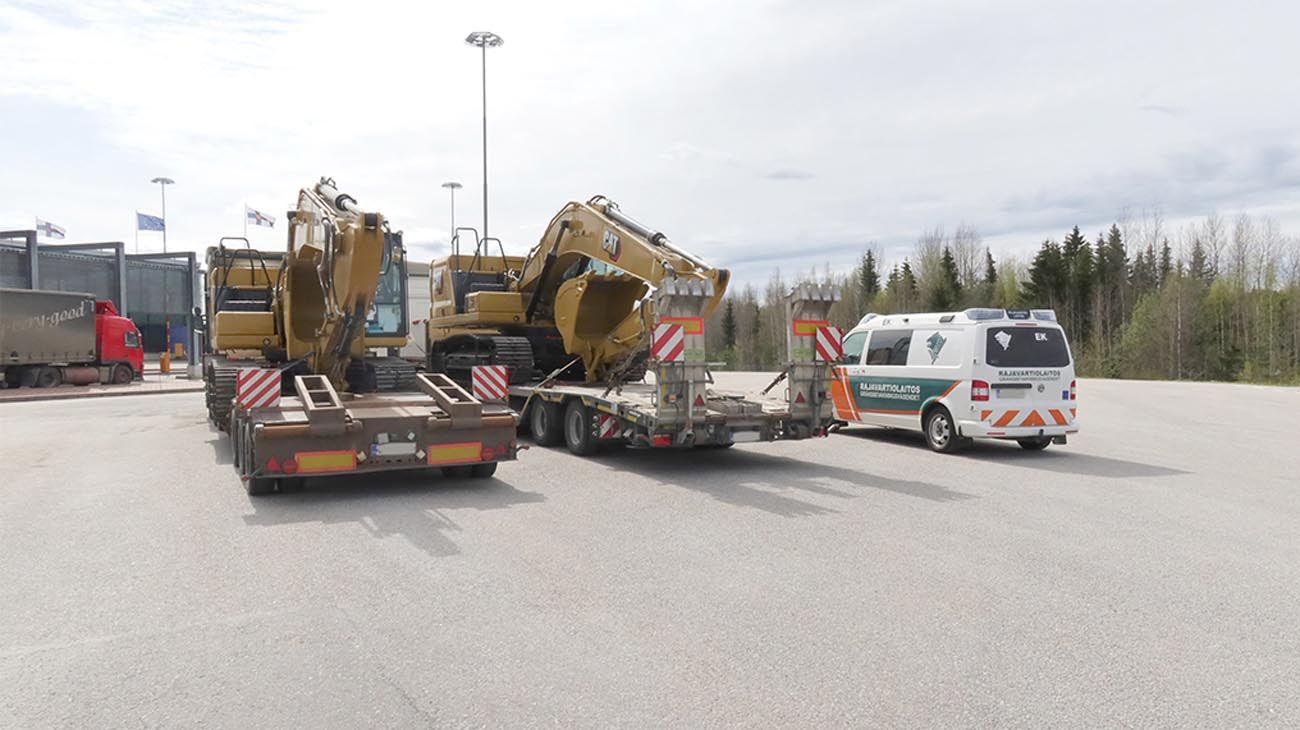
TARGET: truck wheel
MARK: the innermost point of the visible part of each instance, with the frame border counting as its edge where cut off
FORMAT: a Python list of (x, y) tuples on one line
[(48, 377), (27, 378), (544, 422), (577, 429), (257, 486), (122, 374), (1034, 444), (941, 433), (484, 470)]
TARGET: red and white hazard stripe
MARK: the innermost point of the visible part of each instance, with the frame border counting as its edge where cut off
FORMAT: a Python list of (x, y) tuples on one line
[(491, 382), (607, 427), (830, 344), (668, 344), (257, 388)]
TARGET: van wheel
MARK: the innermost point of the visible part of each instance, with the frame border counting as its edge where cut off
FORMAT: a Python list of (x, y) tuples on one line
[(941, 433), (122, 374), (577, 429), (48, 377), (1034, 444), (544, 422)]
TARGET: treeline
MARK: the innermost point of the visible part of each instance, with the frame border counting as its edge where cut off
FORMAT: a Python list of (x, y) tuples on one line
[(1216, 300)]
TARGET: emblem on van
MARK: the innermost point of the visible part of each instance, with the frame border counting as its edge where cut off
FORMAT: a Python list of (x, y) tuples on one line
[(935, 345)]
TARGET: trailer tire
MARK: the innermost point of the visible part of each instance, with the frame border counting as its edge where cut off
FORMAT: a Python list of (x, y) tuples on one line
[(122, 374), (457, 472), (48, 377), (577, 429), (544, 423), (484, 470), (27, 377)]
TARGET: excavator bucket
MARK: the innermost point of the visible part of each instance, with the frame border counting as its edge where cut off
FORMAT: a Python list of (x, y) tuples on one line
[(677, 350), (808, 309)]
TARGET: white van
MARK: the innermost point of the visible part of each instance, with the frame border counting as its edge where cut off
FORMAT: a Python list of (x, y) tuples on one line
[(955, 376)]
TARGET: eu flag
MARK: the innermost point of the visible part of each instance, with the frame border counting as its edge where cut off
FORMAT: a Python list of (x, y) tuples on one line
[(148, 222)]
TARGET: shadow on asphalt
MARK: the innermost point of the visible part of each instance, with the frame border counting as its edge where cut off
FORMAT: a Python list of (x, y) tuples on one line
[(220, 446), (749, 479), (386, 504), (1059, 459)]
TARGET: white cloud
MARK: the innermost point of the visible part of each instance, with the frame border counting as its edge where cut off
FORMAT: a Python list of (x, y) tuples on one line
[(751, 133)]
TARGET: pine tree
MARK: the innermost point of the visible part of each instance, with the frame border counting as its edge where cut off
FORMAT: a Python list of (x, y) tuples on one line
[(946, 294), (1166, 262), (1076, 254), (1047, 278), (1199, 266), (990, 269), (907, 285), (729, 326), (868, 279)]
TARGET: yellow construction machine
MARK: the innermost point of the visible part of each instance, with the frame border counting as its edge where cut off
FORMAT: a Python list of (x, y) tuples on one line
[(578, 322), (303, 329), (577, 301)]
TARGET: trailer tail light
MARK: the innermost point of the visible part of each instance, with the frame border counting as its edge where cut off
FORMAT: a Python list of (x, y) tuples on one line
[(662, 440), (272, 466), (1074, 384), (979, 390), (289, 466)]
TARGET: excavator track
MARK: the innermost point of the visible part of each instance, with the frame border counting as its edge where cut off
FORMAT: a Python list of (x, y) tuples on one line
[(381, 374), (457, 356), (219, 376)]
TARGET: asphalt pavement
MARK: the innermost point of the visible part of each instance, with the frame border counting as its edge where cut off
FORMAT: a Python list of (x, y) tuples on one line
[(1147, 574)]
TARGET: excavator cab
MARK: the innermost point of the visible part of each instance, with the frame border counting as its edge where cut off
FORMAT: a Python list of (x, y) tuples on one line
[(388, 316), (482, 272)]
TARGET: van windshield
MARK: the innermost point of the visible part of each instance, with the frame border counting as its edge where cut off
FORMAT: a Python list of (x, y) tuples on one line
[(1022, 347)]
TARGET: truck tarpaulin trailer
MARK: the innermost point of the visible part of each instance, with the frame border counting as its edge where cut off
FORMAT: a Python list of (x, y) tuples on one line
[(48, 338)]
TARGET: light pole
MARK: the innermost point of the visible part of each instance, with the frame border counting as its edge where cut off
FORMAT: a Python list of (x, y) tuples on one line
[(484, 40), (452, 186), (163, 182)]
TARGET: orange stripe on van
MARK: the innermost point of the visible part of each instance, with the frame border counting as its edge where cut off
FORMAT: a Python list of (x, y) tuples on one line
[(955, 383), (984, 415), (1006, 419), (1058, 417), (841, 398), (1033, 419), (1074, 413)]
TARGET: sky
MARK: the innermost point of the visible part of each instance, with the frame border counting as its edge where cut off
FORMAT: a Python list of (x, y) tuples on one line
[(755, 134)]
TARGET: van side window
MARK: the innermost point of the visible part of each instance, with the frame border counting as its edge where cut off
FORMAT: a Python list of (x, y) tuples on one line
[(853, 348), (889, 347), (132, 340)]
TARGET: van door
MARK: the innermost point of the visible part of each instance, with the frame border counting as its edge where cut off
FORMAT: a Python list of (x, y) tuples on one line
[(1030, 371), (883, 393)]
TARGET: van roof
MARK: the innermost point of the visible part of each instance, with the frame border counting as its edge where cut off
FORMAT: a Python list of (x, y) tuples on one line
[(974, 316)]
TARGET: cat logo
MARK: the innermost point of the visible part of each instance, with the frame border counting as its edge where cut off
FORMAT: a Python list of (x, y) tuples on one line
[(611, 246)]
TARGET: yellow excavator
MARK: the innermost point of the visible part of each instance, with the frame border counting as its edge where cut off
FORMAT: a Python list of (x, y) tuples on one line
[(321, 306), (576, 304), (289, 375), (599, 302)]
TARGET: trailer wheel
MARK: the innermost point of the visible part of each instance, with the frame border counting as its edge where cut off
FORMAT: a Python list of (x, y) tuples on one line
[(484, 470), (27, 378), (122, 374), (457, 472), (577, 429), (48, 377), (544, 422)]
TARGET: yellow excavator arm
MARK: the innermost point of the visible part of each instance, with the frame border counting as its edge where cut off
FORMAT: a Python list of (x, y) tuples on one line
[(335, 257), (591, 272)]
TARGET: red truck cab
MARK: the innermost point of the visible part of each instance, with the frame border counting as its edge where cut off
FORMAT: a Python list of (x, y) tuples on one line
[(116, 338)]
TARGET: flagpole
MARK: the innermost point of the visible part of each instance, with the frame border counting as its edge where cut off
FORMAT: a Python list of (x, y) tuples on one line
[(245, 221), (137, 231)]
